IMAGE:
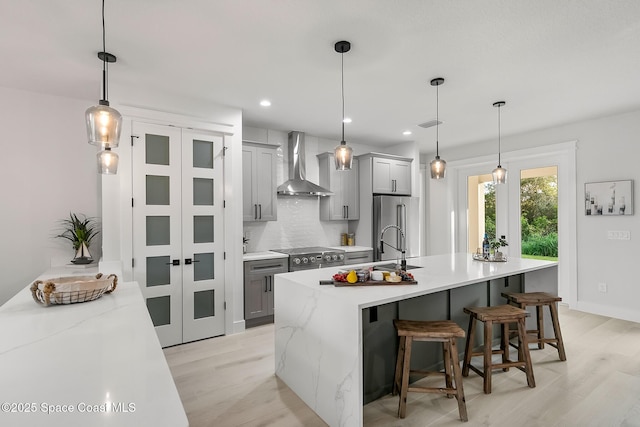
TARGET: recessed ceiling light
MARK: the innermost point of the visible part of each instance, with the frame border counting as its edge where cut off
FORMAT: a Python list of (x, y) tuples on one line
[(265, 103), (346, 120), (407, 132)]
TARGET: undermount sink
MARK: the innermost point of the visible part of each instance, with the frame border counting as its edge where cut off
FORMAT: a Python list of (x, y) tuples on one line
[(392, 267)]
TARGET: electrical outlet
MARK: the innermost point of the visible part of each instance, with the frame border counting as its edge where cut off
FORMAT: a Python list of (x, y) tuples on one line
[(602, 287), (619, 235)]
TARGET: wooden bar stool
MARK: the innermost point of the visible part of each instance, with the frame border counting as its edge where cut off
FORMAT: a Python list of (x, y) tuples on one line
[(503, 315), (444, 331), (539, 300)]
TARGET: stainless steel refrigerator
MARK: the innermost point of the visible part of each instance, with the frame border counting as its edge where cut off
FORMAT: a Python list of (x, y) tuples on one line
[(402, 212)]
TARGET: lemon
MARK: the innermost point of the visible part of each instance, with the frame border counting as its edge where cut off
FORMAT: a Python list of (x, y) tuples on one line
[(352, 277)]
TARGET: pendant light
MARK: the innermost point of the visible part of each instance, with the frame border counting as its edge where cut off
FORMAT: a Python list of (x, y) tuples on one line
[(438, 166), (103, 122), (343, 154), (107, 162), (499, 173)]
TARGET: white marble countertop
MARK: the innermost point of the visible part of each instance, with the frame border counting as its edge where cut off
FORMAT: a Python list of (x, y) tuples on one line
[(255, 256), (318, 328), (97, 363), (352, 248), (436, 273)]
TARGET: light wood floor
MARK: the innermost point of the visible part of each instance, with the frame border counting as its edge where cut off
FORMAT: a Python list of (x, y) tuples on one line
[(229, 381)]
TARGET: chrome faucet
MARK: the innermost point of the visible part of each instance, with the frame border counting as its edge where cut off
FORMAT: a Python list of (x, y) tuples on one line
[(403, 250)]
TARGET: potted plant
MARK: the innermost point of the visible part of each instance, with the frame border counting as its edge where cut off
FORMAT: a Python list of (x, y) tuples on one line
[(80, 231), (245, 244), (496, 245)]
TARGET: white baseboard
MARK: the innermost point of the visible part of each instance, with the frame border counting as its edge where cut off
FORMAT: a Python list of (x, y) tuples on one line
[(605, 310), (238, 326)]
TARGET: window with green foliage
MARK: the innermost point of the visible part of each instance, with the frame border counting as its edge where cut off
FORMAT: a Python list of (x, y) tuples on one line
[(539, 214), (539, 218)]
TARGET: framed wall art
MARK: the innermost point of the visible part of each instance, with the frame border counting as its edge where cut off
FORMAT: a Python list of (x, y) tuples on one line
[(608, 198)]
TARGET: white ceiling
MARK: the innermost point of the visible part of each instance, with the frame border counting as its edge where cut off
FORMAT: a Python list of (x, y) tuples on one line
[(552, 61)]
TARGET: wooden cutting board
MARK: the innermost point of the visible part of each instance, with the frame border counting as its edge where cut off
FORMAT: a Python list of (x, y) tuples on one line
[(374, 283)]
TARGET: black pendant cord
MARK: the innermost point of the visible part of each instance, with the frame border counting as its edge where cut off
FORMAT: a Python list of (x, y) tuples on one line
[(437, 120), (104, 59), (343, 142), (499, 162)]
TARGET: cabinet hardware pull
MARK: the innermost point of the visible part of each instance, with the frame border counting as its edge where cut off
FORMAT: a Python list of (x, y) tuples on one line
[(347, 211), (174, 262), (270, 283), (265, 283), (255, 211), (260, 208), (188, 261), (266, 267)]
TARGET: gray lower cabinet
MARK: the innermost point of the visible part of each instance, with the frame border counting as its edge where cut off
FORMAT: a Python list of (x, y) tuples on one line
[(258, 289), (358, 257)]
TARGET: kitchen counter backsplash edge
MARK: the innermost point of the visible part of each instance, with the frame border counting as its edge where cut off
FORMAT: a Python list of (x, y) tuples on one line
[(255, 256)]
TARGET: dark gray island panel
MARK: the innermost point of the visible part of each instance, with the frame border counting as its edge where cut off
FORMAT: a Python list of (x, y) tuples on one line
[(380, 343)]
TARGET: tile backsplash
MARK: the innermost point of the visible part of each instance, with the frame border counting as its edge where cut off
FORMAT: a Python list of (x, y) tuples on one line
[(298, 225)]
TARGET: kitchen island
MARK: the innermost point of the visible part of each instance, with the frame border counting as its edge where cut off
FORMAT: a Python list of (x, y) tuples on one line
[(321, 330), (97, 363)]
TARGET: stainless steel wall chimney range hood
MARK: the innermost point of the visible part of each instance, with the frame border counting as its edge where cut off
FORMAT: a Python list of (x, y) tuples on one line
[(297, 185)]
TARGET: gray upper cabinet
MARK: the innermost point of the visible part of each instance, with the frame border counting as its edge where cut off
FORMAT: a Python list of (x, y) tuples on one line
[(259, 202), (391, 176), (345, 202)]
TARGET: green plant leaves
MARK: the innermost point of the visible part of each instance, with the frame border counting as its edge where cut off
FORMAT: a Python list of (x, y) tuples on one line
[(78, 228)]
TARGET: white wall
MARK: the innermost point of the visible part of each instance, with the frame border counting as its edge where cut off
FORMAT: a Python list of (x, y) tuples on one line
[(48, 169), (607, 150)]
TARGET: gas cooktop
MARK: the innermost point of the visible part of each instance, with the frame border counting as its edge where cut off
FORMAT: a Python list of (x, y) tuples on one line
[(307, 250), (312, 257)]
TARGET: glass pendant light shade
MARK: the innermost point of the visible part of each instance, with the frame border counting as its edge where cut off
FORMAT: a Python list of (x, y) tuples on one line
[(438, 168), (103, 122), (343, 155), (107, 162), (103, 125), (499, 175)]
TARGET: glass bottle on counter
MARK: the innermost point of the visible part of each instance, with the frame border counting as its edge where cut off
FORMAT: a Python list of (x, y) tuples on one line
[(486, 247)]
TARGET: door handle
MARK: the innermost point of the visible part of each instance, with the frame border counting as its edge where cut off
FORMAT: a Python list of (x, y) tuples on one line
[(188, 261), (174, 262)]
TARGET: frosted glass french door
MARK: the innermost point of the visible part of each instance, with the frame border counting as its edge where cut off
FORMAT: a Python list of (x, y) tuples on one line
[(178, 230)]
